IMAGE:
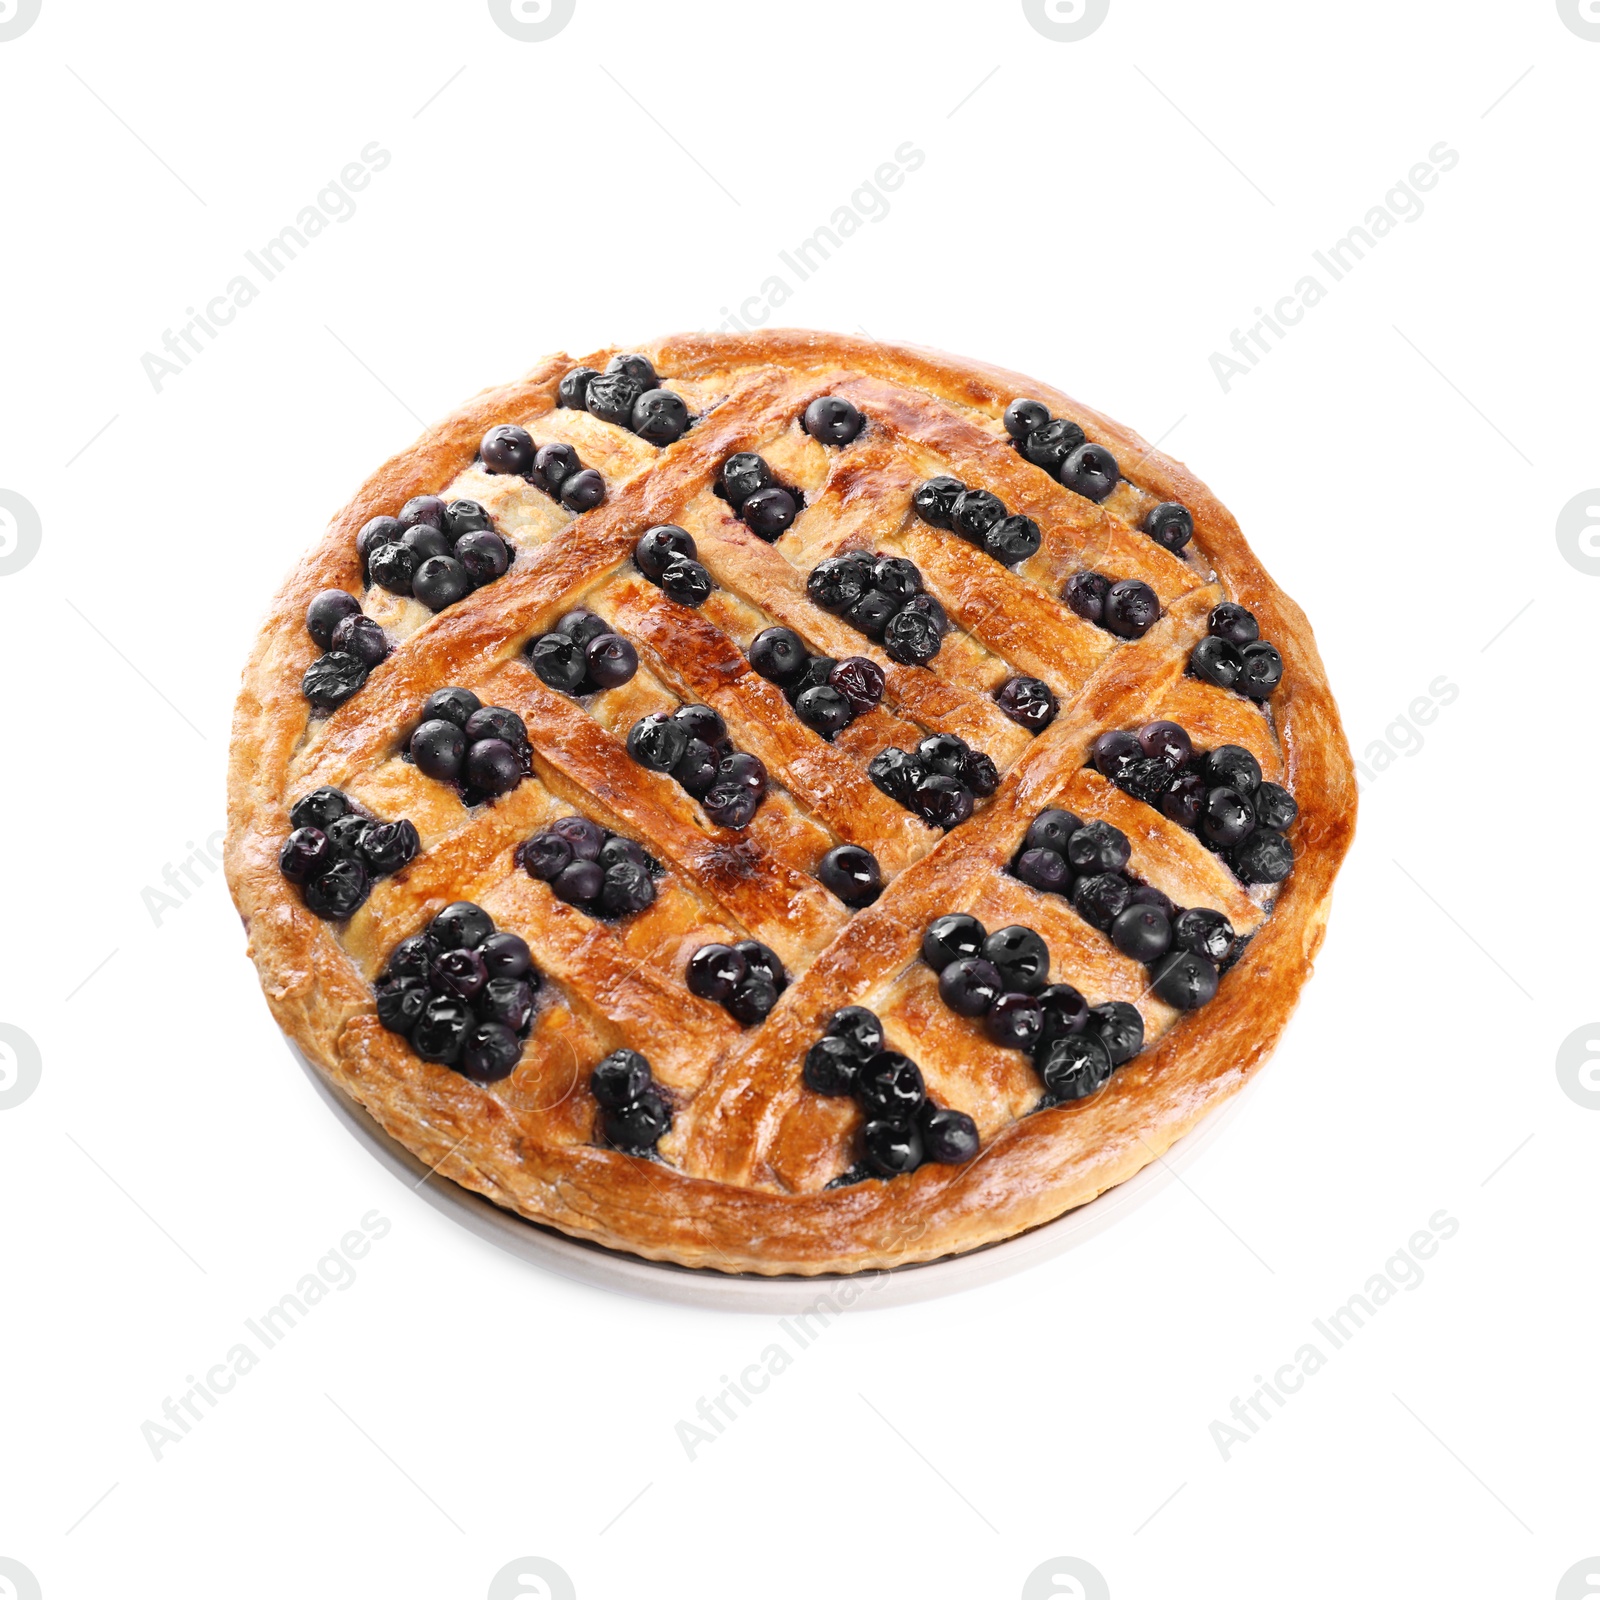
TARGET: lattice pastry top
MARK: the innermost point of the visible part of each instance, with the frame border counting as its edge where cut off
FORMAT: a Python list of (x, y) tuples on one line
[(785, 803)]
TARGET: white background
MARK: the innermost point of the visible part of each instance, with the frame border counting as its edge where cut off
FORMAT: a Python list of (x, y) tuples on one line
[(1102, 214)]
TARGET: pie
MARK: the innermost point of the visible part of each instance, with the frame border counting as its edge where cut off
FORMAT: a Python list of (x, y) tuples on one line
[(783, 803)]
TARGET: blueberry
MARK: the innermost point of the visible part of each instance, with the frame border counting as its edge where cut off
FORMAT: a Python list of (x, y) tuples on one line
[(696, 769), (1131, 608), (583, 626), (768, 512), (715, 971), (544, 855), (1170, 525), (975, 512), (742, 475), (1231, 766), (860, 681), (730, 805), (492, 767), (574, 388), (460, 926), (400, 1002), (507, 448), (746, 770), (506, 956), (1185, 980), (554, 464), (1145, 894), (439, 749), (851, 873), (1065, 1011), (345, 835), (1023, 416), (610, 661), (579, 883), (375, 532), (1147, 779), (830, 1066), (980, 774), (440, 581), (701, 722), (935, 500), (392, 567), (1050, 444), (326, 611), (1013, 539), (953, 937), (660, 417), (1015, 1021), (1232, 622), (1216, 661), (1262, 671), (1085, 595), (897, 773), (891, 1148), (657, 743), (340, 889), (559, 661), (1142, 933), (912, 637), (942, 753), (619, 1079), (1091, 470), (611, 396), (318, 809), (753, 1000), (616, 849), (450, 705), (1029, 702), (465, 516), (1276, 808), (362, 638), (583, 491), (970, 986), (896, 577), (637, 1127), (305, 853), (424, 540), (423, 510), (872, 613), (1074, 1065), (459, 972), (942, 802), (411, 958), (1114, 752), (1168, 742), (859, 1028), (823, 709), (1120, 1029), (659, 546), (332, 679), (1021, 956), (388, 846), (829, 419), (1204, 931), (508, 1001), (1264, 857), (1044, 870), (586, 838), (687, 582), (496, 722), (837, 582), (1098, 847), (779, 655), (1100, 898), (948, 1136), (890, 1085), (1185, 796), (629, 888), (1050, 830)]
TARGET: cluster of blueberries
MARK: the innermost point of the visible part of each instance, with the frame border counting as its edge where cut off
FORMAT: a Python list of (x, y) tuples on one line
[(692, 744), (1029, 702), (765, 506), (590, 867), (1233, 655), (1004, 978), (633, 1112), (1127, 607), (978, 517), (629, 394), (904, 1127), (555, 469), (1218, 795), (745, 979), (461, 993), (1058, 446), (336, 851), (1085, 862), (940, 780), (666, 555), (352, 645), (481, 749), (827, 695), (582, 655), (884, 598), (438, 552)]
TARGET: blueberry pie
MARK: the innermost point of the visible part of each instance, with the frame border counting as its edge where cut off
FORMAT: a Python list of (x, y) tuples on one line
[(781, 803)]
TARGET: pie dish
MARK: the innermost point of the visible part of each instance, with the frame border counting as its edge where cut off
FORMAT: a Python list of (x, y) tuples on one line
[(783, 803)]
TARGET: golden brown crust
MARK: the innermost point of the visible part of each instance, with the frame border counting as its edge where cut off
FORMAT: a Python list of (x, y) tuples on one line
[(741, 1183)]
